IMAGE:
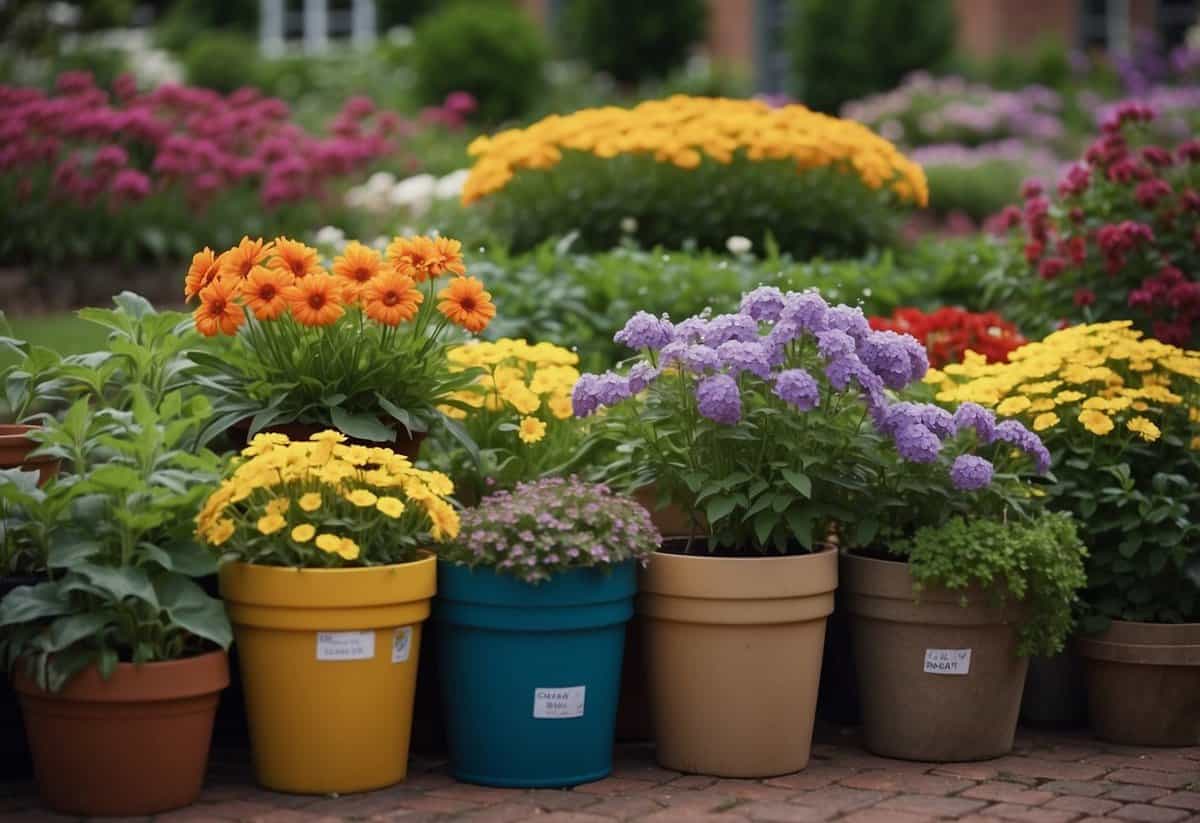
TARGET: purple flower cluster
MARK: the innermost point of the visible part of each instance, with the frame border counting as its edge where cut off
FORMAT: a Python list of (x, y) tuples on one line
[(551, 525), (774, 339)]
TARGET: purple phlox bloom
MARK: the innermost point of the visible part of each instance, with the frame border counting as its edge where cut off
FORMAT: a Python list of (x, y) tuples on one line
[(726, 327), (917, 444), (1011, 431), (645, 331), (970, 473), (797, 387), (806, 311), (641, 376), (833, 344), (738, 357), (896, 416), (583, 397), (849, 319), (719, 400), (937, 420), (691, 330), (890, 356), (763, 304), (974, 416), (700, 359), (593, 391)]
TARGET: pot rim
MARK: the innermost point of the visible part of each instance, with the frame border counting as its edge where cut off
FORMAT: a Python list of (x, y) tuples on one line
[(754, 578), (193, 676), (360, 587), (1141, 643)]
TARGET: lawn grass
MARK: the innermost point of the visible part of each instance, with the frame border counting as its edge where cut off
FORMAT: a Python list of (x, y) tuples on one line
[(65, 333)]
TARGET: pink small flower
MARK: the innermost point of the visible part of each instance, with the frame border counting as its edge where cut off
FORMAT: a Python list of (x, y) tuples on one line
[(130, 184)]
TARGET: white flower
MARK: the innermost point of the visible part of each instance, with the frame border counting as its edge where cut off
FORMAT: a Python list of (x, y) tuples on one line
[(451, 186), (330, 236), (380, 182), (414, 193), (380, 243), (629, 224), (738, 244)]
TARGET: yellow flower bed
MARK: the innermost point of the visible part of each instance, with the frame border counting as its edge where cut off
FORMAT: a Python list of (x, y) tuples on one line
[(682, 131), (1102, 377)]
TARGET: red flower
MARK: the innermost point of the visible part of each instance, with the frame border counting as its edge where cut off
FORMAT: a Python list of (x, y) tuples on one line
[(1084, 297), (948, 333), (1051, 268), (1033, 250)]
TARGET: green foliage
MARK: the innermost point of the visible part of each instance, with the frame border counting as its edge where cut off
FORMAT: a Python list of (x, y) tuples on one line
[(24, 522), (187, 18), (979, 191), (635, 41), (818, 212), (1046, 62), (844, 49), (120, 545), (491, 50), (223, 61), (1037, 563)]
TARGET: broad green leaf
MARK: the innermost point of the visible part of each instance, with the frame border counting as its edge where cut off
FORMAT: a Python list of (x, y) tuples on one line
[(68, 630), (118, 582), (189, 608), (402, 416), (64, 554), (360, 426), (719, 507), (800, 521), (27, 603), (798, 481)]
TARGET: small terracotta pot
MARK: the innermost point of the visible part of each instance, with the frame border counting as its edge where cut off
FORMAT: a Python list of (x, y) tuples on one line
[(405, 444), (1143, 683), (15, 446), (733, 651), (918, 703), (135, 744)]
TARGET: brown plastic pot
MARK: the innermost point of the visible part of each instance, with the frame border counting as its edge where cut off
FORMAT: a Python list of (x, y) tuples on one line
[(15, 446), (913, 708), (733, 652), (1143, 683), (408, 445), (135, 744)]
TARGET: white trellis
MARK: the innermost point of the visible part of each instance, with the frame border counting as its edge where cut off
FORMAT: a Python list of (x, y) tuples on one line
[(317, 23)]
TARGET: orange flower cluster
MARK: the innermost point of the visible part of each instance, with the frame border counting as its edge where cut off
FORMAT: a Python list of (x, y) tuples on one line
[(286, 277)]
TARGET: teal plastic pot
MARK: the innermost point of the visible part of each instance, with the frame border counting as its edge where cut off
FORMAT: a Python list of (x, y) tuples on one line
[(530, 674)]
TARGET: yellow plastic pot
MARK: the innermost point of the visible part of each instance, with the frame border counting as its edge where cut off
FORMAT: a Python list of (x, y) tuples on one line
[(329, 669)]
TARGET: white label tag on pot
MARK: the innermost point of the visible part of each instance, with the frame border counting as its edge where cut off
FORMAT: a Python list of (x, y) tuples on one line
[(345, 645), (557, 704), (401, 644), (947, 661)]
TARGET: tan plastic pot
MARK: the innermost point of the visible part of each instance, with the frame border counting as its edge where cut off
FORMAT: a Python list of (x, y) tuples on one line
[(733, 653), (922, 698), (1143, 683), (135, 744), (15, 446)]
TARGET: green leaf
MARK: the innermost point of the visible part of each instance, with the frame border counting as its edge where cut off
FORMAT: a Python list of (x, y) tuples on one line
[(865, 531), (64, 554), (118, 582), (189, 608), (719, 507), (799, 481), (800, 521), (764, 524), (26, 603), (402, 416), (69, 630), (459, 433), (115, 477), (360, 426)]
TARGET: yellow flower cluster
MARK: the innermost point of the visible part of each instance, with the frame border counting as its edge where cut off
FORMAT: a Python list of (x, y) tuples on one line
[(312, 489), (1102, 376), (682, 130), (519, 376)]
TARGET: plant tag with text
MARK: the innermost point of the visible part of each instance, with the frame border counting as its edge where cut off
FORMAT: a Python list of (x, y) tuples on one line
[(345, 645), (557, 704), (947, 661), (401, 644)]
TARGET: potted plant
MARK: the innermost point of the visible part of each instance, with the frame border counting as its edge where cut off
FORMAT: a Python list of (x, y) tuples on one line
[(767, 421), (533, 601), (121, 652), (359, 348), (1120, 413), (327, 580)]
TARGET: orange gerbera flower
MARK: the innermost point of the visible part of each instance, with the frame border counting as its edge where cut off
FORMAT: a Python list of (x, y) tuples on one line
[(447, 258), (218, 312), (264, 292), (205, 266), (356, 266), (297, 258), (466, 304), (392, 298), (237, 263), (315, 301), (414, 256)]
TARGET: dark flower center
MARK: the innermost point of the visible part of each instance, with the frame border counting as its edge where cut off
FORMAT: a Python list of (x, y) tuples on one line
[(316, 301)]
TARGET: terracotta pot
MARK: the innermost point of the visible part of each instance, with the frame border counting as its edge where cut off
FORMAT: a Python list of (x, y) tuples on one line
[(938, 681), (135, 744), (733, 652), (405, 444), (14, 748), (15, 446), (1143, 683), (1055, 696)]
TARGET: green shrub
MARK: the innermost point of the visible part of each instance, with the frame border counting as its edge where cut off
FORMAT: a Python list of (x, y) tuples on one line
[(222, 61), (978, 191), (488, 49), (185, 20), (845, 49), (632, 40)]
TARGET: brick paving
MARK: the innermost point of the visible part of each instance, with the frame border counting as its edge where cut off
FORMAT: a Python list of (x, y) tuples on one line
[(1049, 778)]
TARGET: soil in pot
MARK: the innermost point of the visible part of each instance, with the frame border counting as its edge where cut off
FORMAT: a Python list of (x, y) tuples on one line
[(937, 681), (1143, 683), (733, 653), (15, 446), (135, 744)]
